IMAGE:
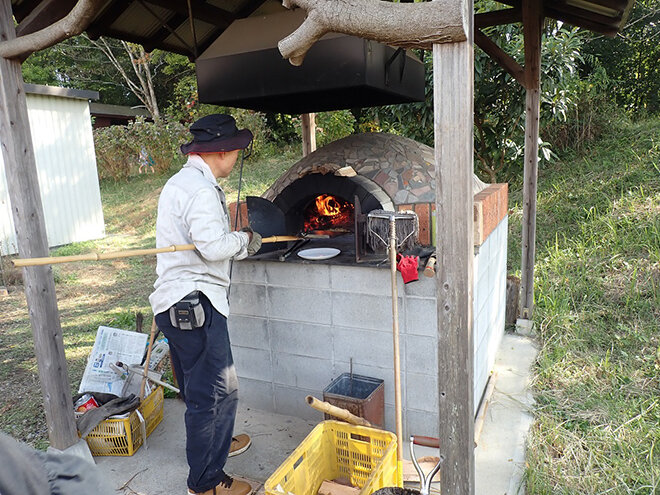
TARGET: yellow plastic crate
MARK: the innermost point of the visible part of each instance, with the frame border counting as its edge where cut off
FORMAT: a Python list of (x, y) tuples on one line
[(122, 436), (334, 449)]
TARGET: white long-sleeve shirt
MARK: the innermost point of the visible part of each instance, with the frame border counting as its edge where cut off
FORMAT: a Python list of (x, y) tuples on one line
[(190, 210)]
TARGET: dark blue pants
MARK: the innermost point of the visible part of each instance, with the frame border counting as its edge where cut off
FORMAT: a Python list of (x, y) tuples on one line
[(205, 373)]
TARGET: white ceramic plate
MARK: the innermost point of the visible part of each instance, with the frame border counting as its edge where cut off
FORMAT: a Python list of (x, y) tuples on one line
[(318, 253)]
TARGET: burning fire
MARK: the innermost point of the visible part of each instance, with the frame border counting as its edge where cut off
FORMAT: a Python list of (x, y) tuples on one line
[(329, 212)]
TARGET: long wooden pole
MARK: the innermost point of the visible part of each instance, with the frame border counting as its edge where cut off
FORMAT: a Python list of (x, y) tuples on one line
[(52, 260), (23, 186), (395, 345), (453, 82), (532, 23), (308, 133)]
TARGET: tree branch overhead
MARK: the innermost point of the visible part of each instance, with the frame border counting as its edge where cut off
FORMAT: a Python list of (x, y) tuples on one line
[(407, 25), (72, 24)]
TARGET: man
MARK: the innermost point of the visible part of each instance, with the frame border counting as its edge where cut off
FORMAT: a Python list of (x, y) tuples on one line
[(190, 299), (26, 471)]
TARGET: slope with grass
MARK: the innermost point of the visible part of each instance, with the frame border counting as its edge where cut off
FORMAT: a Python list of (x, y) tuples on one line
[(598, 317)]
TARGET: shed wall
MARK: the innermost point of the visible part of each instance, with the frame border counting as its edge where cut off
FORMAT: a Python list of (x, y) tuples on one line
[(66, 164)]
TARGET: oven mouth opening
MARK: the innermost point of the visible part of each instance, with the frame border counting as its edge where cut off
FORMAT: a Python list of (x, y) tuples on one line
[(328, 212)]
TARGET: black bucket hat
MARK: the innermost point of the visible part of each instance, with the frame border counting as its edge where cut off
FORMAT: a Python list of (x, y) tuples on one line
[(215, 133)]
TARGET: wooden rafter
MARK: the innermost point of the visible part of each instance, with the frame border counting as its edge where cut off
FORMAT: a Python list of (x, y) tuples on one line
[(107, 18), (201, 10), (506, 61), (24, 8), (578, 17), (43, 15), (133, 38), (161, 35), (497, 18)]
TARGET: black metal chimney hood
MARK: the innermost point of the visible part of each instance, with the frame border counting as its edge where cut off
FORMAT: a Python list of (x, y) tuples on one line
[(243, 68)]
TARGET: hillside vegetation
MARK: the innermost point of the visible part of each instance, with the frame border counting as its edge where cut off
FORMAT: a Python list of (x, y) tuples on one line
[(598, 317)]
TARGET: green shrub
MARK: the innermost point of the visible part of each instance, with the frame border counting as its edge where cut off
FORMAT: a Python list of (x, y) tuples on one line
[(118, 148), (330, 126)]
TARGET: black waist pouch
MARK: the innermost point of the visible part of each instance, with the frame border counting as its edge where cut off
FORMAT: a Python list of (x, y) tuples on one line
[(188, 313)]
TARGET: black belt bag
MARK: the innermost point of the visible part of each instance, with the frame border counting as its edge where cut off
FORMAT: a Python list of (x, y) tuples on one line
[(188, 313)]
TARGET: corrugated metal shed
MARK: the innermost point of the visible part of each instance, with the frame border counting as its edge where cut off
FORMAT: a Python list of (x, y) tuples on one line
[(64, 150)]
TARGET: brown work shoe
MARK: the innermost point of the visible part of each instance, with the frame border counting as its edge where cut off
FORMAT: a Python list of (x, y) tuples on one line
[(239, 444), (228, 486)]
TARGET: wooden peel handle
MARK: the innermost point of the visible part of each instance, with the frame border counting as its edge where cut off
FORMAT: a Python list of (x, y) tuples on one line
[(335, 411), (51, 260)]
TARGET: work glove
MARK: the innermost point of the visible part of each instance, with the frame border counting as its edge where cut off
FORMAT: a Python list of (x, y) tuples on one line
[(255, 243), (407, 265)]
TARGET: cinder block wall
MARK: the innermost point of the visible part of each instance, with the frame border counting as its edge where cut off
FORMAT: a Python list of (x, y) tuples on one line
[(296, 326)]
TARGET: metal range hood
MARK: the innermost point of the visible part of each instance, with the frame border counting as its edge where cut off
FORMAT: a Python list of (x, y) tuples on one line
[(243, 68)]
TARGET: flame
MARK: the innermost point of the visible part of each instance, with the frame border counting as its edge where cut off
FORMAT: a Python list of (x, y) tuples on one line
[(329, 212), (327, 205)]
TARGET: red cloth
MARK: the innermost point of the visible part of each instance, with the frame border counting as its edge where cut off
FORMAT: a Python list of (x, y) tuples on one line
[(408, 265)]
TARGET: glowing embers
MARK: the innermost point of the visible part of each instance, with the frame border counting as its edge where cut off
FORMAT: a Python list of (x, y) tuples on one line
[(328, 212)]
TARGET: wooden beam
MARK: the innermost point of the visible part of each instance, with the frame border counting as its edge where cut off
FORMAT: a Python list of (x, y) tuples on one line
[(506, 61), (532, 24), (201, 10), (163, 33), (43, 15), (497, 18), (613, 4), (27, 210), (585, 14), (308, 133), (142, 40), (597, 23), (107, 18), (24, 8), (453, 92)]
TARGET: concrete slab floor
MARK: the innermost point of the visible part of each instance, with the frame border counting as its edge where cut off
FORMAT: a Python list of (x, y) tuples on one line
[(500, 452), (499, 456)]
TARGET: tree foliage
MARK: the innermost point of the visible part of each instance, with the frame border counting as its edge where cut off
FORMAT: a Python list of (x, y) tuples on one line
[(499, 101), (631, 59)]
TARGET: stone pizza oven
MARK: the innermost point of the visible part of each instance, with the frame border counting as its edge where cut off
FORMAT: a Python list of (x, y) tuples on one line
[(296, 325)]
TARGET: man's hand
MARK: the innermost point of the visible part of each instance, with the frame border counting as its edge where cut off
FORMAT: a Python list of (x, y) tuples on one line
[(255, 241)]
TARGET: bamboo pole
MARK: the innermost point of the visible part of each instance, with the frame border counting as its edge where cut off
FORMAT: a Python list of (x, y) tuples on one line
[(337, 412), (51, 260)]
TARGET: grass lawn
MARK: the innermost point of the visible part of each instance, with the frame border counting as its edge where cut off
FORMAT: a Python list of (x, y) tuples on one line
[(597, 315)]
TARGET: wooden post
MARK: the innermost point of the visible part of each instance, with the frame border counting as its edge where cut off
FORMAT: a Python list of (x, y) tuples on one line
[(27, 210), (453, 81), (308, 133), (532, 23)]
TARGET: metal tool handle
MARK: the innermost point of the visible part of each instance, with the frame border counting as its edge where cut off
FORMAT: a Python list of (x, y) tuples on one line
[(432, 442), (425, 481)]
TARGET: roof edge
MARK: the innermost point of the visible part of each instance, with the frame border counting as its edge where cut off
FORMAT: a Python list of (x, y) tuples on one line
[(41, 89)]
